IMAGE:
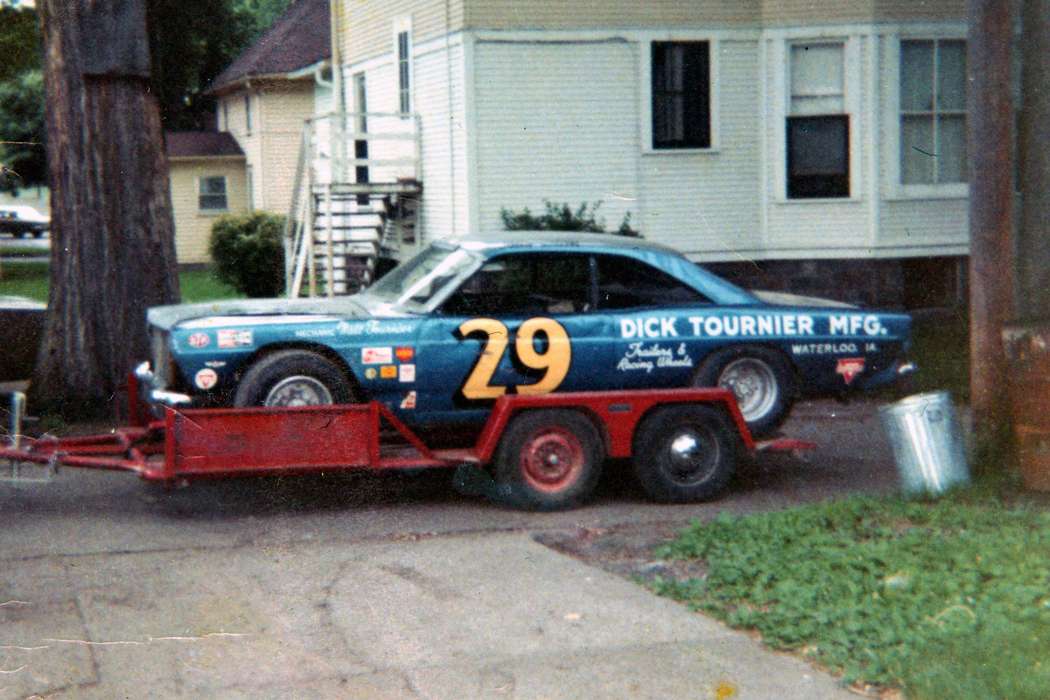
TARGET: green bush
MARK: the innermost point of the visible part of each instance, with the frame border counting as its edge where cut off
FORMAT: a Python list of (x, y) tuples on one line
[(562, 217), (248, 251)]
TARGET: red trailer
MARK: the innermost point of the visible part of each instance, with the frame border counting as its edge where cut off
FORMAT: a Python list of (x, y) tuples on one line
[(542, 452)]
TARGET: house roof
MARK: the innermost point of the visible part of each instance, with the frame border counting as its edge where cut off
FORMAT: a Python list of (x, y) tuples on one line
[(200, 144), (299, 38)]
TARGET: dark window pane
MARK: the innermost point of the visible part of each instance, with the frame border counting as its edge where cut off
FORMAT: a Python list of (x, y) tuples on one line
[(818, 156), (525, 284), (681, 93), (625, 283)]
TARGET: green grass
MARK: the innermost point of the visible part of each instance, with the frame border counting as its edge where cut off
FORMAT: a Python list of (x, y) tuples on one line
[(30, 280), (24, 280), (947, 599), (25, 252)]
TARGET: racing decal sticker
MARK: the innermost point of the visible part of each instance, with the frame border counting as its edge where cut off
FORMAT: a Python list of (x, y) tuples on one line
[(199, 340), (229, 338), (377, 356), (553, 359), (371, 373), (409, 401), (849, 368), (406, 373), (206, 379), (388, 372), (404, 354), (643, 357)]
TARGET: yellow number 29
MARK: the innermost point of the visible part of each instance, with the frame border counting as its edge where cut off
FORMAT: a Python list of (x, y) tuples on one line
[(554, 360)]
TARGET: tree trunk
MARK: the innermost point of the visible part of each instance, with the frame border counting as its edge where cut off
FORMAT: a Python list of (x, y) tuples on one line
[(112, 237)]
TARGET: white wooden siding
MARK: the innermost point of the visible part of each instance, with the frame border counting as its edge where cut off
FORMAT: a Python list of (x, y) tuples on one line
[(438, 98), (706, 204), (556, 121)]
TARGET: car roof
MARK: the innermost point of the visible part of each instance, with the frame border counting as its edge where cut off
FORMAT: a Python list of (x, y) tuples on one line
[(662, 257), (555, 239)]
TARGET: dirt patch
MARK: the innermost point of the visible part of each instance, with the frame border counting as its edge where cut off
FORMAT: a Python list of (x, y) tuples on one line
[(625, 550)]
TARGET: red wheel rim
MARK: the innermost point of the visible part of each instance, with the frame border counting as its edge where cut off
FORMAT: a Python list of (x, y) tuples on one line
[(552, 459)]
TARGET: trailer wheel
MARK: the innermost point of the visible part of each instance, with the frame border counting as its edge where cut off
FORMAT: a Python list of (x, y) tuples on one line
[(548, 460), (760, 378), (685, 453), (293, 378)]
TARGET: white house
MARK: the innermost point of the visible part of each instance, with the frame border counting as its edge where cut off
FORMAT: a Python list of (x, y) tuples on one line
[(817, 145)]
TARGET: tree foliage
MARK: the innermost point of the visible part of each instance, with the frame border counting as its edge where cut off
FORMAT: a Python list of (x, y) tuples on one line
[(23, 150), (192, 41), (19, 42)]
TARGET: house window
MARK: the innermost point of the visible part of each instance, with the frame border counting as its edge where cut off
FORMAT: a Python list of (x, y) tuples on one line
[(681, 94), (817, 123), (933, 111), (404, 89), (212, 194), (248, 113)]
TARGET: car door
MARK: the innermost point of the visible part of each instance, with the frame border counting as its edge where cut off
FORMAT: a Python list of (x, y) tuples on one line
[(655, 341), (523, 323)]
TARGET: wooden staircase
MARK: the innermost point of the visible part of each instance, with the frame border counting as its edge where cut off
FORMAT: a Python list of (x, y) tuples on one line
[(351, 216)]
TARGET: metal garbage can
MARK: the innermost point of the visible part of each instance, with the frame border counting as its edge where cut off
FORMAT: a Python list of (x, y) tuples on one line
[(927, 442)]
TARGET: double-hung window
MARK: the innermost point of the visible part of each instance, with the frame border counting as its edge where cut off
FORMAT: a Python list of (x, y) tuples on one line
[(681, 94), (818, 158), (933, 111), (404, 71), (212, 193)]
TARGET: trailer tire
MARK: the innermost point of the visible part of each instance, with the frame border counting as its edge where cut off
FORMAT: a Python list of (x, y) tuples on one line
[(685, 453), (761, 379), (293, 378), (548, 460)]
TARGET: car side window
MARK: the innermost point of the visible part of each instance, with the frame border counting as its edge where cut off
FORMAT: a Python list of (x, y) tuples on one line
[(525, 284), (626, 283)]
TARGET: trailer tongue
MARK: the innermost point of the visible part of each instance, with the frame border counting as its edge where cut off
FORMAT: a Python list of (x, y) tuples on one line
[(546, 451)]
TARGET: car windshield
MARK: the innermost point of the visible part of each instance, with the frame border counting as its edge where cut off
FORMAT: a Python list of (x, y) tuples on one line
[(414, 283)]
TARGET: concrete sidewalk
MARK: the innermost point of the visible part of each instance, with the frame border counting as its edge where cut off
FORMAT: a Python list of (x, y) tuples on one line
[(494, 615)]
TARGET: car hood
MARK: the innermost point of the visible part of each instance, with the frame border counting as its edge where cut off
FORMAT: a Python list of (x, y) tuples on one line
[(249, 311), (785, 299)]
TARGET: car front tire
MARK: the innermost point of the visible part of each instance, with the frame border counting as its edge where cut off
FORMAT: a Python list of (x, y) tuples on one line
[(293, 378), (761, 379)]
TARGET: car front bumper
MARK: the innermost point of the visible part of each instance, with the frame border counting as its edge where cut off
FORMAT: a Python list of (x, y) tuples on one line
[(158, 394)]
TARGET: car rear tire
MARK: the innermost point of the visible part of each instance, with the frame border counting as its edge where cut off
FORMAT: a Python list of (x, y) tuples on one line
[(548, 460), (293, 378), (761, 379), (685, 453)]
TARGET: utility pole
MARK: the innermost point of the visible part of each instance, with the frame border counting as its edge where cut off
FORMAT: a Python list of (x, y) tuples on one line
[(990, 139), (1033, 153)]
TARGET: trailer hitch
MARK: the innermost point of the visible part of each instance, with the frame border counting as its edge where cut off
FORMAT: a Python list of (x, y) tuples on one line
[(16, 471)]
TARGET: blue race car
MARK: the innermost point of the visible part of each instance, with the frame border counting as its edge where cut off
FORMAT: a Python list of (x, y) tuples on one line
[(440, 337)]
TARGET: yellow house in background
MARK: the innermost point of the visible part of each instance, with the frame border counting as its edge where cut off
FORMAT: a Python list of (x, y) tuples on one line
[(208, 179), (262, 101)]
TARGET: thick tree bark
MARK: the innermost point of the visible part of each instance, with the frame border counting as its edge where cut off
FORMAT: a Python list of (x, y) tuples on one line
[(112, 237)]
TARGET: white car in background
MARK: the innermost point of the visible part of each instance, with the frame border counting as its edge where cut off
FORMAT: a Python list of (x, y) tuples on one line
[(20, 220)]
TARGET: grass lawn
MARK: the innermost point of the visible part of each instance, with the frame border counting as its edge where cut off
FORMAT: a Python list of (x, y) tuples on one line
[(945, 599), (30, 280)]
